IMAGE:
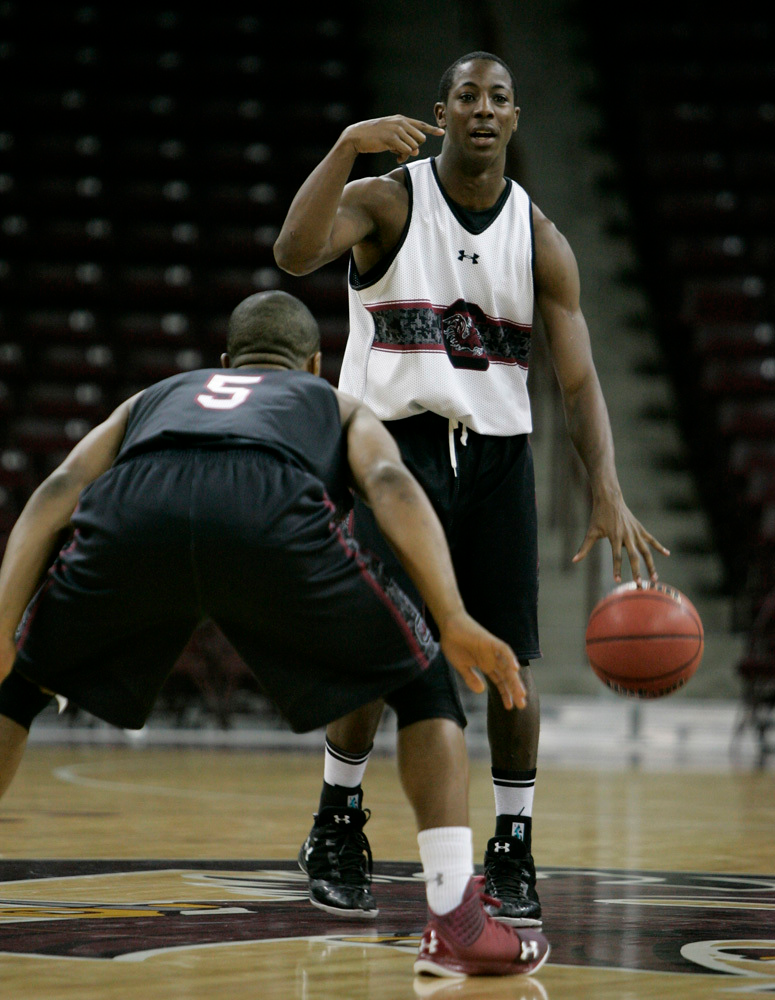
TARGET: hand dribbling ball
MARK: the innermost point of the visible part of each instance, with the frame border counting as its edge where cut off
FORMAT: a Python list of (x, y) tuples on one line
[(644, 642)]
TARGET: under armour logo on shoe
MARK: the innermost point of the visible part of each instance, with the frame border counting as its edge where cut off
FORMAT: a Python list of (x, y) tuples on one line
[(529, 951), (497, 846), (433, 944), (341, 819), (473, 257)]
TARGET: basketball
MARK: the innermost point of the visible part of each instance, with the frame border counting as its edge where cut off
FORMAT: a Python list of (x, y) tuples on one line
[(644, 642)]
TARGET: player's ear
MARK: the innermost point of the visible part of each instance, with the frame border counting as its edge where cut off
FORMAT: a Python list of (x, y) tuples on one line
[(439, 111), (314, 363), (225, 361)]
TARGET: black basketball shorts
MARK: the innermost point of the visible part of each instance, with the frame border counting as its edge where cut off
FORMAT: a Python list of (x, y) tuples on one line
[(168, 538), (487, 506)]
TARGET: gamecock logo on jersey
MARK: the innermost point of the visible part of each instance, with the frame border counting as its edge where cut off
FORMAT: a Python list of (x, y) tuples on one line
[(462, 340)]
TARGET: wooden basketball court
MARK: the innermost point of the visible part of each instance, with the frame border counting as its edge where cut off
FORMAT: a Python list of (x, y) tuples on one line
[(133, 869)]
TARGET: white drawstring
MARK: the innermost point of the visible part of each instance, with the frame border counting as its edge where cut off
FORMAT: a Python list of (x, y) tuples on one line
[(453, 425)]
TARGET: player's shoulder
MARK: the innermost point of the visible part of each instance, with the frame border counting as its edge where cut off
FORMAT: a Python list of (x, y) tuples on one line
[(542, 224), (388, 189), (551, 246), (384, 200)]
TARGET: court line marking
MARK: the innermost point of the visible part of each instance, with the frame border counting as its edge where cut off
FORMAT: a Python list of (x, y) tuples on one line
[(69, 773)]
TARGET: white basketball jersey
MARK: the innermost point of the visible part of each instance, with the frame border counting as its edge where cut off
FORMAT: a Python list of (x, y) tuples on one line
[(444, 322)]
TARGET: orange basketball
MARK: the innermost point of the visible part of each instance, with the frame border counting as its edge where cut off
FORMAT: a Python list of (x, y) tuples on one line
[(644, 642)]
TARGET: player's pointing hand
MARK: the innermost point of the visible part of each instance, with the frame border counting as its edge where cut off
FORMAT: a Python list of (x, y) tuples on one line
[(395, 134)]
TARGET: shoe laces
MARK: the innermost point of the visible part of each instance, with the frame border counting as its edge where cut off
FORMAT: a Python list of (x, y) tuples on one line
[(479, 882), (514, 874), (345, 850)]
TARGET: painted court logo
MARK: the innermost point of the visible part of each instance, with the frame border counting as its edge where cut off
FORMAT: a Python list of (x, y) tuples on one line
[(695, 924)]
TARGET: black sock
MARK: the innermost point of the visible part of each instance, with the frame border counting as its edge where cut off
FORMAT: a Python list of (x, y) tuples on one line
[(340, 797), (520, 827)]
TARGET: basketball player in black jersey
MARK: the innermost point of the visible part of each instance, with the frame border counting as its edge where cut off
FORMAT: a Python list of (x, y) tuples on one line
[(400, 357), (219, 493)]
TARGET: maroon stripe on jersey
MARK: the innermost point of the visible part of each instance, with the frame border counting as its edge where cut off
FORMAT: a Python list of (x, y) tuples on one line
[(439, 310), (435, 349), (408, 348)]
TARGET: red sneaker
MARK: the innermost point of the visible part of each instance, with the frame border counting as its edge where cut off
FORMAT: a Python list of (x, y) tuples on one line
[(468, 942)]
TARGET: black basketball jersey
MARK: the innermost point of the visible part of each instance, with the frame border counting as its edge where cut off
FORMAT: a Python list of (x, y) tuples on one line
[(291, 413)]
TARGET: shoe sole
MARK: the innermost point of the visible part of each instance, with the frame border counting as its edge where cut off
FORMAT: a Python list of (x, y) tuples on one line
[(425, 966), (518, 921), (337, 911)]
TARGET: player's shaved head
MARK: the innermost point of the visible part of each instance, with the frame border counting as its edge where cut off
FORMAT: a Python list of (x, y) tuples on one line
[(272, 326)]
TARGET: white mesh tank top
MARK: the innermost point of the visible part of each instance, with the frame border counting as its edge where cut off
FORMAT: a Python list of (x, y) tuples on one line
[(444, 322)]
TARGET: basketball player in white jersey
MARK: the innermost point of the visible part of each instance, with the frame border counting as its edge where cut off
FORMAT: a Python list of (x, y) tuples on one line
[(449, 258)]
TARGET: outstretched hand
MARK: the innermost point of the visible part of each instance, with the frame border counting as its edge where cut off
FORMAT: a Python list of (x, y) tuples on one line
[(396, 134), (612, 519), (469, 648)]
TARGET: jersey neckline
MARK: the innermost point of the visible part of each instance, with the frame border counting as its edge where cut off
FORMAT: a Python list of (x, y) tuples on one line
[(475, 222)]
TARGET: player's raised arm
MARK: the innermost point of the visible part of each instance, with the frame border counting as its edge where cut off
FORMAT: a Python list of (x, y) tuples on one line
[(328, 216), (586, 414), (45, 515), (409, 523)]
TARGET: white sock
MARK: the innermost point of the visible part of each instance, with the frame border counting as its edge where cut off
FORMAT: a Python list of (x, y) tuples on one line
[(447, 855), (343, 768)]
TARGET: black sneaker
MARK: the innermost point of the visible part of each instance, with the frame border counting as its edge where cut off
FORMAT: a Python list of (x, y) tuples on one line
[(510, 877), (337, 858)]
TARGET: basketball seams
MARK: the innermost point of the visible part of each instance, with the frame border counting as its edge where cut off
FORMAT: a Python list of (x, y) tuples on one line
[(623, 678), (673, 613), (644, 692), (639, 595), (641, 637), (608, 602)]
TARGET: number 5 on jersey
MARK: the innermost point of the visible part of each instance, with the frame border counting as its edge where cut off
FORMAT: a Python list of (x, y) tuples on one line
[(227, 391)]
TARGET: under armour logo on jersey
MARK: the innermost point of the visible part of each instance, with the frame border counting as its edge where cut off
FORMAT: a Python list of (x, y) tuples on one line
[(498, 846), (529, 951), (473, 257), (341, 819)]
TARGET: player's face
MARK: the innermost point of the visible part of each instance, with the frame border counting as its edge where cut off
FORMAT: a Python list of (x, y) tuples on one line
[(479, 115)]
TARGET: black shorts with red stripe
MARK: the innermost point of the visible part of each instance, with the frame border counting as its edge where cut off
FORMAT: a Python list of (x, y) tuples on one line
[(245, 538)]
